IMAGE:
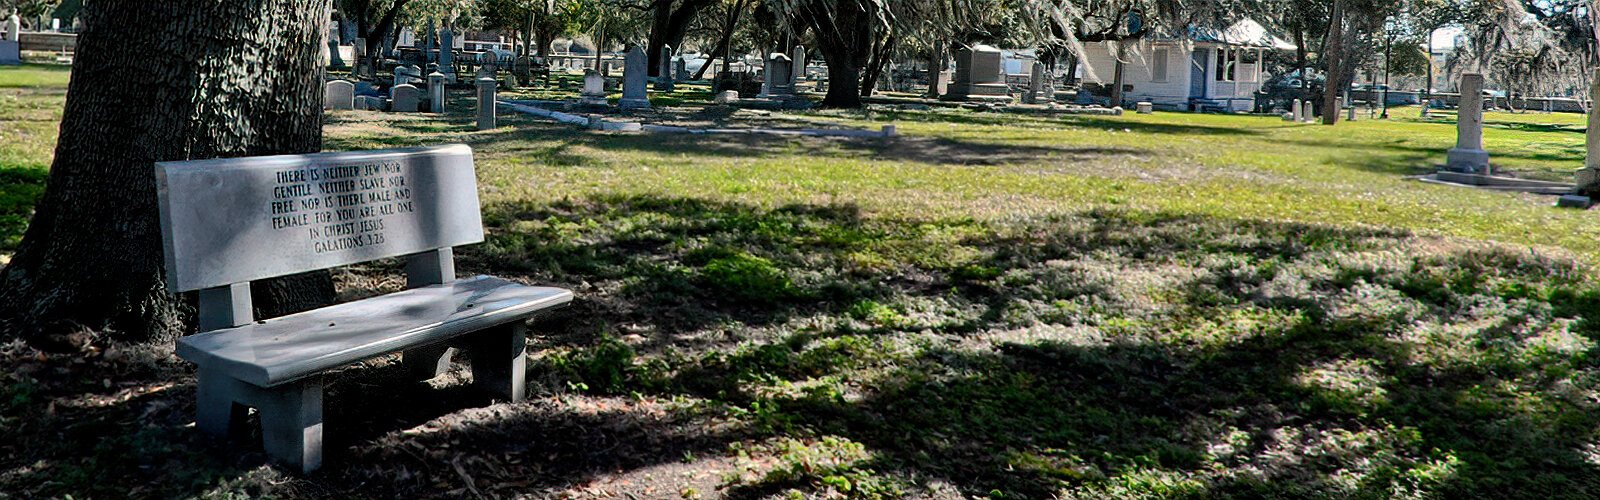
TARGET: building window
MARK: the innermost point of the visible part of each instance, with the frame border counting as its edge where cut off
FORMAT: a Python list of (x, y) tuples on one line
[(1158, 67), (1227, 60)]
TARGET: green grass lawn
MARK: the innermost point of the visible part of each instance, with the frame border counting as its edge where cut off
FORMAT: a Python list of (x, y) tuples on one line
[(30, 108), (991, 305)]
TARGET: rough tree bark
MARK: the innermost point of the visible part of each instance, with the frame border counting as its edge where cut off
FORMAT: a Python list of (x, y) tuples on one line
[(844, 33), (380, 32), (219, 78), (1427, 90), (1300, 58), (1336, 59), (668, 27), (1118, 71), (935, 67), (877, 60)]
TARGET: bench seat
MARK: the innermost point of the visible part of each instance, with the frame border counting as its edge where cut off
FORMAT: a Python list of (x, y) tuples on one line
[(280, 350)]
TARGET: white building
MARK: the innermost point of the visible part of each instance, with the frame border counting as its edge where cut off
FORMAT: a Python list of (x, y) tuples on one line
[(1209, 69)]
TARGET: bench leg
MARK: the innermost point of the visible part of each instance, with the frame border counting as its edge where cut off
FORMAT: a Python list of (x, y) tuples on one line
[(291, 424), (500, 361), (424, 363), (218, 408)]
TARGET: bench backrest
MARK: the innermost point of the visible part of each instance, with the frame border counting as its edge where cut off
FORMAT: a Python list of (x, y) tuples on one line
[(236, 220)]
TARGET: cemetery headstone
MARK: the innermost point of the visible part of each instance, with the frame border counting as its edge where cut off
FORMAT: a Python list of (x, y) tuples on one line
[(10, 53), (1588, 177), (436, 92), (779, 77), (359, 50), (487, 60), (1468, 155), (334, 59), (680, 69), (766, 71), (1296, 109), (798, 61), (14, 28), (664, 70), (635, 74), (1574, 201), (1145, 107), (1035, 83), (727, 97), (594, 89), (407, 75), (978, 76), (405, 98), (486, 103), (447, 44), (339, 94), (943, 81), (427, 48)]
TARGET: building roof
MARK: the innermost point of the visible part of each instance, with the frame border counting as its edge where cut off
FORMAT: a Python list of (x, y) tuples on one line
[(1245, 33)]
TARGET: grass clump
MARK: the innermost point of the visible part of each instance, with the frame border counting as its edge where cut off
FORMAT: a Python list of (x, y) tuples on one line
[(744, 278), (828, 467), (610, 366)]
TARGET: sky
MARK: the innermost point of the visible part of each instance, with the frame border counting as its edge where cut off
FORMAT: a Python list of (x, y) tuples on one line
[(1445, 38)]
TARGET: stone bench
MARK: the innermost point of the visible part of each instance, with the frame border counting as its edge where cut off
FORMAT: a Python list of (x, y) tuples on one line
[(227, 222)]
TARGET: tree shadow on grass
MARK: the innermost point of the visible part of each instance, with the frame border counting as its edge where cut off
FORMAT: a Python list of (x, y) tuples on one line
[(1113, 354), (1089, 121), (1573, 155), (1159, 128), (915, 149), (1102, 353)]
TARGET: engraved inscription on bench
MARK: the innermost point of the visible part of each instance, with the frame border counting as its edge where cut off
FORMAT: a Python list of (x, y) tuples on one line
[(243, 219), (340, 207)]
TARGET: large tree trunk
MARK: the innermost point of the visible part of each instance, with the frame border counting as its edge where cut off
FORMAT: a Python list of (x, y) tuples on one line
[(1072, 67), (1118, 69), (1300, 58), (1427, 90), (382, 30), (935, 67), (881, 53), (844, 36), (844, 84), (1333, 53), (668, 27), (219, 78)]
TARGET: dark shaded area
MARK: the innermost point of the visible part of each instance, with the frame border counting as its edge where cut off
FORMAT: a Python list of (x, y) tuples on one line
[(1405, 158)]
